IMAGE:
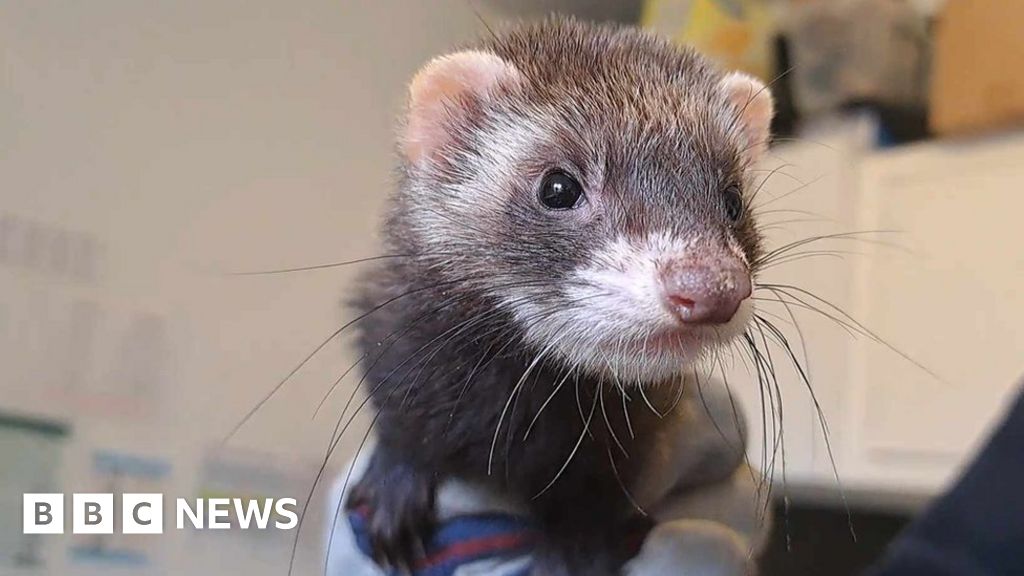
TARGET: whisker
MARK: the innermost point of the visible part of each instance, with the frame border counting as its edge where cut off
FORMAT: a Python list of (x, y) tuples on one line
[(480, 18), (465, 387), (625, 491), (846, 326), (767, 408), (711, 417), (840, 236), (801, 187), (579, 404), (788, 289), (608, 423), (318, 266), (515, 390), (547, 401), (753, 96), (821, 417), (273, 392), (579, 442), (761, 322), (764, 416), (678, 398), (774, 393), (800, 139), (395, 335), (797, 256), (776, 170), (735, 412), (647, 401), (622, 392)]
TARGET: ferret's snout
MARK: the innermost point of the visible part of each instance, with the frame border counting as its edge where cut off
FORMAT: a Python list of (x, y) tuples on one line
[(703, 291)]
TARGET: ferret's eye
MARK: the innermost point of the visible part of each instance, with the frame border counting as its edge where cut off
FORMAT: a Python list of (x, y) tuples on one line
[(733, 203), (560, 191)]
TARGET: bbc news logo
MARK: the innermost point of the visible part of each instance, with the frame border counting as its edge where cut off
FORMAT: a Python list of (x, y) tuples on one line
[(144, 513)]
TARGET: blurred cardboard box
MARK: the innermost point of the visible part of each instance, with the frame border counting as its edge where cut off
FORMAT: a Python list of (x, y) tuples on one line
[(978, 80)]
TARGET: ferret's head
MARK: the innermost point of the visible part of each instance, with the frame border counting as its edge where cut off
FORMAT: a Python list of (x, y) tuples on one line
[(594, 182)]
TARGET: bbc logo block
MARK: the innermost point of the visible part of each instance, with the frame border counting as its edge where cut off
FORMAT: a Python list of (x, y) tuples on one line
[(144, 513), (43, 514), (93, 514)]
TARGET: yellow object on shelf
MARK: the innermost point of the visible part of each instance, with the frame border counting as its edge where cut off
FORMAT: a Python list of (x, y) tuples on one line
[(736, 33)]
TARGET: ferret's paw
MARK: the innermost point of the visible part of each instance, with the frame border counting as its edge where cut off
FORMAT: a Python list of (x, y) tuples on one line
[(399, 503)]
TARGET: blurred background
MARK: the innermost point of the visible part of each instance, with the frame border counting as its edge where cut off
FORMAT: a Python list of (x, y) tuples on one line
[(148, 150)]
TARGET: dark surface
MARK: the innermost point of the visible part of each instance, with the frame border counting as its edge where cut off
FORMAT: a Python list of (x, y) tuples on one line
[(977, 528), (816, 541)]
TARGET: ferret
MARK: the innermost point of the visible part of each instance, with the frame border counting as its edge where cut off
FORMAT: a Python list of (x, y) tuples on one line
[(571, 234)]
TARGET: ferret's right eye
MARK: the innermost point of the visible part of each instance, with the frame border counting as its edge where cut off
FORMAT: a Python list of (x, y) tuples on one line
[(560, 191)]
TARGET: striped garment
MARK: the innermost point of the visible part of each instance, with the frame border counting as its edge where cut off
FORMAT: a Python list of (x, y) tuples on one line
[(464, 543), (468, 543), (709, 521)]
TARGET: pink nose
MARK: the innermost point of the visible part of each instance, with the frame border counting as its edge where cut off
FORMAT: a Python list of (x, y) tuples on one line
[(705, 292)]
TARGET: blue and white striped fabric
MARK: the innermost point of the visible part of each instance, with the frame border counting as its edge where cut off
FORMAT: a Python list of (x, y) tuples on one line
[(462, 545), (707, 520)]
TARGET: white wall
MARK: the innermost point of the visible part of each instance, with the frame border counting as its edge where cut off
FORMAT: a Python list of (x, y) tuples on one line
[(161, 145)]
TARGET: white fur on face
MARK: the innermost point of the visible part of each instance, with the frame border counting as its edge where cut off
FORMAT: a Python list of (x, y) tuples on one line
[(510, 142), (616, 322)]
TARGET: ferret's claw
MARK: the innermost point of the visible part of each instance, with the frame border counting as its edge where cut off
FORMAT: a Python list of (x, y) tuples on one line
[(400, 504)]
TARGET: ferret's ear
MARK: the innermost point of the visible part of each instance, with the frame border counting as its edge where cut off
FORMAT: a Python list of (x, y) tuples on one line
[(752, 100), (439, 87)]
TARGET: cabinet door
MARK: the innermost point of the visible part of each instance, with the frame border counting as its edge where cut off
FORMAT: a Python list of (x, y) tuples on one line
[(950, 298)]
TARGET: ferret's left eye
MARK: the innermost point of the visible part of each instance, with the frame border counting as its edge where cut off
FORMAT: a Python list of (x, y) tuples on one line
[(733, 202), (560, 191)]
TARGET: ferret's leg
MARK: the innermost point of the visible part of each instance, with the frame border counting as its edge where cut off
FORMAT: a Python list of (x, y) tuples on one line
[(400, 502)]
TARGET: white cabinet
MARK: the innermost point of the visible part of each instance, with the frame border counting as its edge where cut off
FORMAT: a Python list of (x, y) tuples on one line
[(940, 285), (954, 302)]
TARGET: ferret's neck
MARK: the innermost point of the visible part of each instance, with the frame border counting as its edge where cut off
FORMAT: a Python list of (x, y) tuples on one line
[(454, 383)]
